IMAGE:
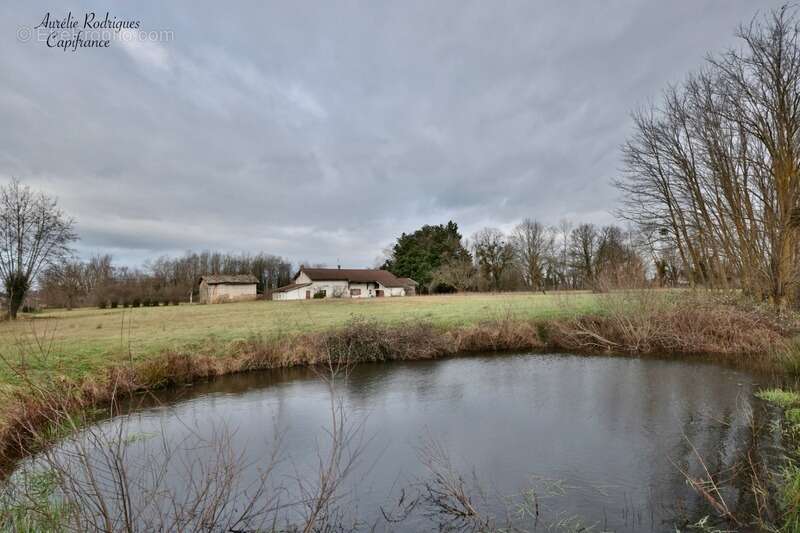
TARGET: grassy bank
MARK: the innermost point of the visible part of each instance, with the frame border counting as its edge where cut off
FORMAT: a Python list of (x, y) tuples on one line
[(63, 363), (788, 479), (84, 342), (71, 360)]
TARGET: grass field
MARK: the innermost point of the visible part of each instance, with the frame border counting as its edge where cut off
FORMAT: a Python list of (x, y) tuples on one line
[(83, 341)]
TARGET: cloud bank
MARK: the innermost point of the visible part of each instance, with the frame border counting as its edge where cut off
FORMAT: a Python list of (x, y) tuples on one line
[(320, 131)]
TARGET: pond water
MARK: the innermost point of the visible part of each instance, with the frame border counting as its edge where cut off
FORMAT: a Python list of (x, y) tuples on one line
[(597, 441)]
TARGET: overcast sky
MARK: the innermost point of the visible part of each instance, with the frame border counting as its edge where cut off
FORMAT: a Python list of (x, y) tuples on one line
[(322, 130)]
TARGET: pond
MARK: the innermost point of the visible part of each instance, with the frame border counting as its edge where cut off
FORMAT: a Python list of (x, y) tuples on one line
[(549, 441)]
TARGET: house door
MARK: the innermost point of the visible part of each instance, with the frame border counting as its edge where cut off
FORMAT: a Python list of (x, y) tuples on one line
[(379, 293), (308, 295)]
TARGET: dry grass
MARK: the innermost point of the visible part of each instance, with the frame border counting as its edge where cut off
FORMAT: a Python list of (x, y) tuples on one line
[(640, 322)]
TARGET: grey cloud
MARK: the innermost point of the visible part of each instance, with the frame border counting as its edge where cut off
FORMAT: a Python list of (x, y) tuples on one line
[(322, 130)]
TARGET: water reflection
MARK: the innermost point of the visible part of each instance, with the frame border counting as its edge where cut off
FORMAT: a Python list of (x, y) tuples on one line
[(609, 431)]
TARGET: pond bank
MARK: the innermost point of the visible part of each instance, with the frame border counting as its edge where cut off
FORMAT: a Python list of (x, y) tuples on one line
[(636, 325)]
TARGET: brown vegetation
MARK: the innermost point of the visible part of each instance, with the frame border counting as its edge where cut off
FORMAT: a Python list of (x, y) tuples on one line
[(637, 323)]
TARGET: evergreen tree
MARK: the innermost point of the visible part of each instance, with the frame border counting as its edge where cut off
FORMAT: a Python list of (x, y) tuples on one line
[(418, 254)]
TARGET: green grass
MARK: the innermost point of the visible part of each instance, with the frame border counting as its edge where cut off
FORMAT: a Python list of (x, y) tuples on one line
[(789, 479), (780, 397), (39, 510), (790, 498), (83, 341)]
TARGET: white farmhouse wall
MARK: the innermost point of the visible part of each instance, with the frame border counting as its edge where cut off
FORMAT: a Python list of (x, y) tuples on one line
[(396, 291), (388, 292), (294, 294), (364, 287), (333, 289)]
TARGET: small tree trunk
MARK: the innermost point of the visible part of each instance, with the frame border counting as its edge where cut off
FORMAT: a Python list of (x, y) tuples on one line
[(16, 287)]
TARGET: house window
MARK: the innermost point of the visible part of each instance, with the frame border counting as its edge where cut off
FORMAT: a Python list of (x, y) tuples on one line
[(355, 292)]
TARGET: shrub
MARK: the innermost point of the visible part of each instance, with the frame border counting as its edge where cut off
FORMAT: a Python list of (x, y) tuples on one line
[(136, 302), (114, 304), (498, 335), (319, 295), (362, 340), (102, 304), (647, 322)]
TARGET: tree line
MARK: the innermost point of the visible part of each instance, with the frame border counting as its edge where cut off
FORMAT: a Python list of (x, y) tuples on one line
[(533, 256), (74, 283), (712, 172), (36, 238)]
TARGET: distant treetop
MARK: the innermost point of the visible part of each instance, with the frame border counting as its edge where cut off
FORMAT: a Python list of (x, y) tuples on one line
[(418, 254)]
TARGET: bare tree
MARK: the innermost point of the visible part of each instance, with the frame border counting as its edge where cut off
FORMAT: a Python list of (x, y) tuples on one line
[(64, 284), (459, 274), (714, 171), (583, 252), (494, 255), (563, 231), (533, 247), (34, 232)]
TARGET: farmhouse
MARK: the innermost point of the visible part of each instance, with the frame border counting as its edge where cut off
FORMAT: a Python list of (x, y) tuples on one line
[(344, 283), (218, 289)]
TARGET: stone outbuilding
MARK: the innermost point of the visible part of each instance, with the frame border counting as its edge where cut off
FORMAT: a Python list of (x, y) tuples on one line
[(227, 288)]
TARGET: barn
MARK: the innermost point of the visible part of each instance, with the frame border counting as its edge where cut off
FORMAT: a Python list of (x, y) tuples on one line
[(227, 288)]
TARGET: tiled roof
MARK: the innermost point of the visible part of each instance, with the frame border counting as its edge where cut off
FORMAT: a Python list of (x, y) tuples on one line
[(238, 279), (291, 286), (354, 275)]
